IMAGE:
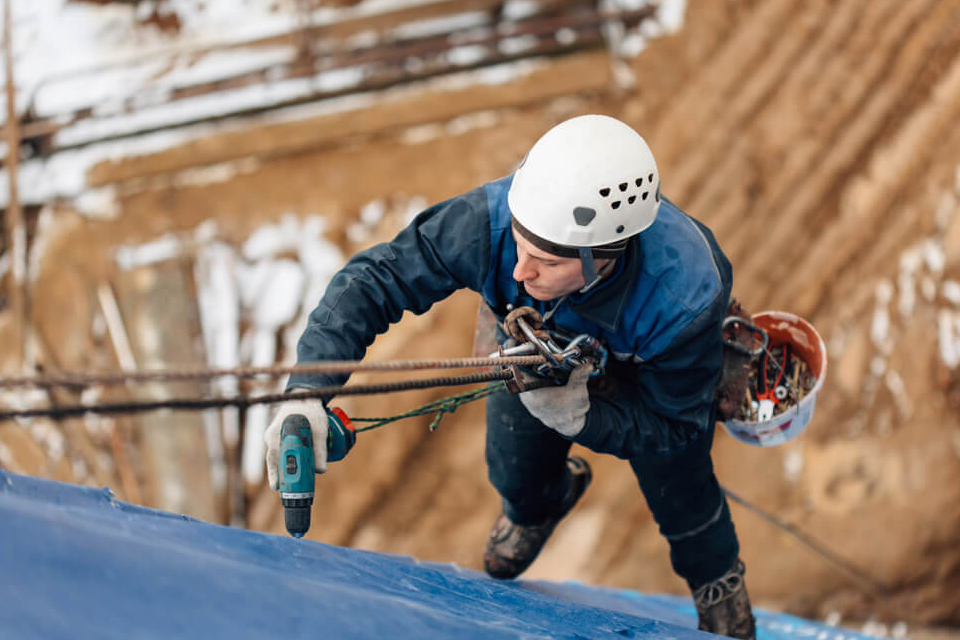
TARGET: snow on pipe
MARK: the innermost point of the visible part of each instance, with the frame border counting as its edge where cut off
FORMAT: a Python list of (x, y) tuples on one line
[(275, 288), (219, 305)]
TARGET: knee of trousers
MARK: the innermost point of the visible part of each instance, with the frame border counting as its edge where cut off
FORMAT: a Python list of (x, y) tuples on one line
[(526, 461), (706, 551)]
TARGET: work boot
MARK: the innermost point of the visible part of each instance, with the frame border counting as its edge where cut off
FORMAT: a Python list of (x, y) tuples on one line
[(511, 547), (723, 606)]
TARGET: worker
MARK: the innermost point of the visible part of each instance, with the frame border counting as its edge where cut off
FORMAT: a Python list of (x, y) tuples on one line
[(581, 234)]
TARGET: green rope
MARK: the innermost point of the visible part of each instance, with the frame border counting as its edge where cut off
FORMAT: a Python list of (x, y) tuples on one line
[(438, 407)]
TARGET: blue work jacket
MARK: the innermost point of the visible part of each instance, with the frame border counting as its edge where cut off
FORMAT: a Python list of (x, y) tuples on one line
[(659, 312)]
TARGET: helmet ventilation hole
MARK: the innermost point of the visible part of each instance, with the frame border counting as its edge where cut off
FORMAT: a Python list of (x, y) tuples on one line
[(623, 186), (605, 192), (639, 181), (631, 199), (650, 178), (620, 229), (643, 196), (615, 204)]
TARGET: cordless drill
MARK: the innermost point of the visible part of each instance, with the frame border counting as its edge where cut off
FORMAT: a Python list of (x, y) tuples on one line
[(297, 464)]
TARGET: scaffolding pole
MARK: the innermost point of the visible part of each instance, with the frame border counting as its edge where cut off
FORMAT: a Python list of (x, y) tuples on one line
[(16, 231)]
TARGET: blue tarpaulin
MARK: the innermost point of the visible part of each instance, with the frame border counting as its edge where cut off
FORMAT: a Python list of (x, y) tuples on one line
[(76, 563)]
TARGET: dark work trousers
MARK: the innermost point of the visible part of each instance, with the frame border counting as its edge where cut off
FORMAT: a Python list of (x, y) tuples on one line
[(526, 464)]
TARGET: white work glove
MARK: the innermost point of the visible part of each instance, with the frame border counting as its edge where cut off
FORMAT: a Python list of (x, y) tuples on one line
[(563, 409), (316, 415)]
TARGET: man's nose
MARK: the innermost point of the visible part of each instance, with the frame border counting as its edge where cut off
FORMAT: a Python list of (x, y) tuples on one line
[(524, 269)]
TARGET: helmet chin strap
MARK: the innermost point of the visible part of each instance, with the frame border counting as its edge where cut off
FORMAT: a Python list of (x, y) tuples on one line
[(589, 267), (591, 275)]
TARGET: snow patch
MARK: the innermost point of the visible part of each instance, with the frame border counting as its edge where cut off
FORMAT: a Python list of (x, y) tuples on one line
[(49, 438), (951, 291), (517, 44), (899, 391), (340, 79), (948, 326), (471, 121), (270, 283), (632, 45), (272, 240), (422, 134), (98, 204), (278, 296), (7, 460), (47, 230), (880, 328), (908, 296), (566, 36), (440, 25), (466, 55), (166, 247), (933, 256), (670, 14), (884, 292), (519, 9), (215, 173), (372, 212), (793, 465)]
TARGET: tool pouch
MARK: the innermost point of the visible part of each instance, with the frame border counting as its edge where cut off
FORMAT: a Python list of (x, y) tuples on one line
[(739, 347)]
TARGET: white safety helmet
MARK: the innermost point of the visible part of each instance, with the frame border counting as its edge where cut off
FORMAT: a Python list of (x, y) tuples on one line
[(590, 181)]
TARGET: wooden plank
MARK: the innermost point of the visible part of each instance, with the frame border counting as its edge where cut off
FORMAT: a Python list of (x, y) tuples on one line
[(578, 74), (392, 51), (160, 315)]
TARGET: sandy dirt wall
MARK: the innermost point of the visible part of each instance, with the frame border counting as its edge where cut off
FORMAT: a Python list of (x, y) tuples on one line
[(816, 138)]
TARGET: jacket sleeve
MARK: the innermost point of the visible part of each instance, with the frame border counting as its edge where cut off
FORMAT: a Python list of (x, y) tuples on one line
[(445, 248)]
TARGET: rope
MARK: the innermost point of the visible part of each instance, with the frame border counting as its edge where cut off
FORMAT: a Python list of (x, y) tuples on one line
[(875, 587), (324, 393), (108, 378), (439, 407)]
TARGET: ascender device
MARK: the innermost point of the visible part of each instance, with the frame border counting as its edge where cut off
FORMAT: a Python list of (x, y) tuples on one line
[(298, 465)]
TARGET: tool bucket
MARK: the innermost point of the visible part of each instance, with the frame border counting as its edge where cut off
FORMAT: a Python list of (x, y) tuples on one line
[(806, 343)]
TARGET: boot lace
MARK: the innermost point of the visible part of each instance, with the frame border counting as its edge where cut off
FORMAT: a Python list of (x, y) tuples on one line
[(724, 587)]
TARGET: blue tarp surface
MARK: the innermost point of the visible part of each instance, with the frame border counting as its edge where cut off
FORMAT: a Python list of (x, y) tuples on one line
[(76, 563)]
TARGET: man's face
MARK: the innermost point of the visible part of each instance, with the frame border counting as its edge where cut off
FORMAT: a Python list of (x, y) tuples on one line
[(544, 275)]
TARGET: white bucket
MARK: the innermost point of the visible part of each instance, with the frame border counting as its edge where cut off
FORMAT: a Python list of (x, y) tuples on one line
[(806, 343)]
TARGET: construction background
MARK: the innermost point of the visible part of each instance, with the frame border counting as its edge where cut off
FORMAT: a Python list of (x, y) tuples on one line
[(183, 199)]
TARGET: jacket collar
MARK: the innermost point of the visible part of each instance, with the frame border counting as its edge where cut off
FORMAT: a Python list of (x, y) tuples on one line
[(604, 304)]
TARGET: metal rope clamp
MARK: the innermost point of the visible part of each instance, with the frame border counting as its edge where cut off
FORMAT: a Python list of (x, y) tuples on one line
[(558, 361)]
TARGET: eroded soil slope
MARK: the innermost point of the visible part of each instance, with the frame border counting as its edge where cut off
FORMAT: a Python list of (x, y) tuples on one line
[(817, 138)]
